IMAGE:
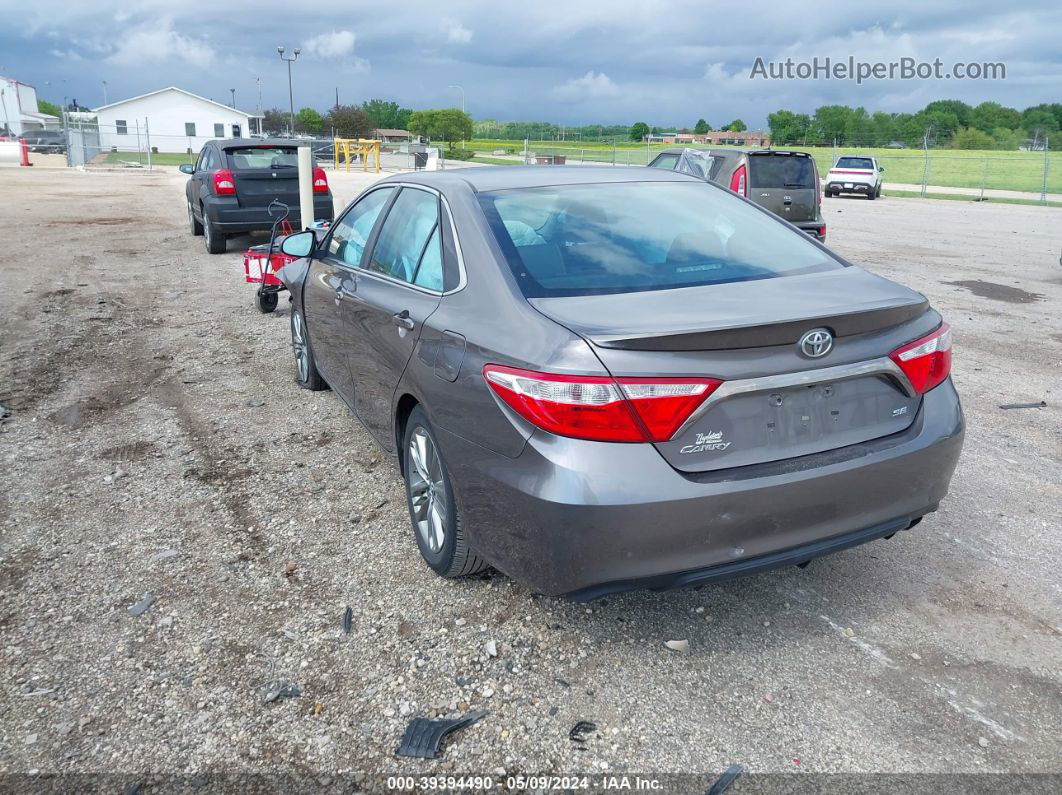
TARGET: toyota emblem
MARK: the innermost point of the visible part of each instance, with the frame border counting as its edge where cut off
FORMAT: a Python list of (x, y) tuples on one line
[(815, 343)]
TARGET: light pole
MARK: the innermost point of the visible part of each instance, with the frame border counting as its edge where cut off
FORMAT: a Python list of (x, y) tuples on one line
[(291, 100), (462, 96), (104, 92), (233, 90)]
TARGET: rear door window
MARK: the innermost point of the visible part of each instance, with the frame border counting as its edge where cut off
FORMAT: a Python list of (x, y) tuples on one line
[(666, 161), (264, 157), (781, 171)]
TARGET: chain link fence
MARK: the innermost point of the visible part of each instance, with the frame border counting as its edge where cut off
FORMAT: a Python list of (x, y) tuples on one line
[(1030, 175)]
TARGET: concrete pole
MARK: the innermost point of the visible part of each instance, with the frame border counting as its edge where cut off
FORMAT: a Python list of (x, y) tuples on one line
[(147, 141), (1043, 188), (306, 186)]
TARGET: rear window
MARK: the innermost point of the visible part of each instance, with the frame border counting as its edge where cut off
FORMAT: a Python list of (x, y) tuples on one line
[(781, 171), (665, 161), (855, 162), (631, 237), (264, 157)]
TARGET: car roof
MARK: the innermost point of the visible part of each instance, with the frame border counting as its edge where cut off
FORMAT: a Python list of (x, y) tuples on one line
[(678, 150), (489, 178), (239, 143)]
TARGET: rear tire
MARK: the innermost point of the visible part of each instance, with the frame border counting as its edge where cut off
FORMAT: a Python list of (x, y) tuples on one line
[(195, 225), (872, 194), (432, 509), (216, 243), (306, 374)]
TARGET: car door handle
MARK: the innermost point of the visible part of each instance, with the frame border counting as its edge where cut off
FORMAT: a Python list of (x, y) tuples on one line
[(403, 320)]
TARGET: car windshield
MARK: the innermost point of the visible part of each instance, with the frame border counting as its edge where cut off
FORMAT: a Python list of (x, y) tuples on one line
[(781, 171), (630, 237), (854, 162), (264, 157)]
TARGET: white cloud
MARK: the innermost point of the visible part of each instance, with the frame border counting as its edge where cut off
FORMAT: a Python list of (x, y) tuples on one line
[(592, 85), (455, 32), (159, 43), (337, 44)]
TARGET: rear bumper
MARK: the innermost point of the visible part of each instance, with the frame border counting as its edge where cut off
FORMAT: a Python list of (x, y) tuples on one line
[(838, 186), (228, 216), (589, 518), (812, 228)]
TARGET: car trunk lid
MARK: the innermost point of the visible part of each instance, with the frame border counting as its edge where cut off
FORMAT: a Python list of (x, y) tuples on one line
[(775, 403), (786, 183), (264, 174)]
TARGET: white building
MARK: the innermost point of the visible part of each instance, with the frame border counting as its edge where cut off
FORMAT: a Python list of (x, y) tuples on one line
[(173, 119), (18, 109)]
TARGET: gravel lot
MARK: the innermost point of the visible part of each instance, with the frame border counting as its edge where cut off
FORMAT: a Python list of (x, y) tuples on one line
[(157, 445)]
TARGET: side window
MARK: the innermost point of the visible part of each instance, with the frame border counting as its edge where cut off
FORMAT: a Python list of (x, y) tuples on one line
[(219, 130), (430, 272), (200, 164), (189, 129), (351, 232), (120, 127), (210, 161), (665, 161), (405, 233), (236, 131)]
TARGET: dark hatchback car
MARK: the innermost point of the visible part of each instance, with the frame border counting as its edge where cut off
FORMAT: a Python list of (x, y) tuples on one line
[(45, 141), (598, 379), (786, 183), (234, 181)]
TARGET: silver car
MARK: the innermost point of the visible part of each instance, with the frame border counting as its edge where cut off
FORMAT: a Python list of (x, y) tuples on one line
[(599, 379)]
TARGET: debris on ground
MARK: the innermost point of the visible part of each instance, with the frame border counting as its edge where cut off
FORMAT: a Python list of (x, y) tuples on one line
[(491, 648), (274, 691), (5, 412), (348, 620), (1041, 405), (142, 606), (722, 784), (254, 404), (423, 737), (580, 730), (678, 645)]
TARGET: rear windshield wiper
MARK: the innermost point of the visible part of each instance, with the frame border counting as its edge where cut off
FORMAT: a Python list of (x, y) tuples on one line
[(795, 185)]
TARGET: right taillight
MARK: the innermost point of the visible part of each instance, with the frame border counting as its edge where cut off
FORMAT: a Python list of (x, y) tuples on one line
[(927, 361), (599, 408), (739, 181), (224, 183)]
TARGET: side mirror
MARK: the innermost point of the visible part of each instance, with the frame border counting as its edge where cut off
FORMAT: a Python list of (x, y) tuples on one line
[(300, 244), (881, 169), (186, 168)]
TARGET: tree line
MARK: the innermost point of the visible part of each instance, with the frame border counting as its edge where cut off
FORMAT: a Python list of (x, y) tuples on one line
[(943, 123)]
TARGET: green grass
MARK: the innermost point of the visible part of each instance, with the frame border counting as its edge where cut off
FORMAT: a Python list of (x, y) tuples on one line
[(160, 159), (965, 197), (954, 168)]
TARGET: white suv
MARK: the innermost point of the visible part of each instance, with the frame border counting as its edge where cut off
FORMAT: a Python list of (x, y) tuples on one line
[(855, 174)]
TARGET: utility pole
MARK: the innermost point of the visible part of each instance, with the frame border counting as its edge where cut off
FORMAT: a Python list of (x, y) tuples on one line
[(233, 90), (459, 88), (291, 96), (104, 92)]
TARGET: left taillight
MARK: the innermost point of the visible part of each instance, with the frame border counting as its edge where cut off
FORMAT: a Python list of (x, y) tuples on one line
[(320, 181), (599, 408), (927, 361), (739, 181), (224, 183)]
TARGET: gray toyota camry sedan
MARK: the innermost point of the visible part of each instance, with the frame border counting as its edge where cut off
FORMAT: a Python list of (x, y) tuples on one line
[(599, 379)]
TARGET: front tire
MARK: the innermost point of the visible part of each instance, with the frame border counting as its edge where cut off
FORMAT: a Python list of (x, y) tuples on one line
[(306, 374), (872, 194), (195, 225), (432, 509), (216, 243)]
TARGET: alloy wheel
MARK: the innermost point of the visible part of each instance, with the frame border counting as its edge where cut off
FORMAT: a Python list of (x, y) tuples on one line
[(427, 490), (298, 344)]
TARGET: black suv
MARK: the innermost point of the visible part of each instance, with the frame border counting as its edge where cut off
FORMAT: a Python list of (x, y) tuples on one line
[(234, 181), (786, 183)]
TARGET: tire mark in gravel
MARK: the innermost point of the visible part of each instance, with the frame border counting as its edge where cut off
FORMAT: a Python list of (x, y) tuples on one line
[(173, 395)]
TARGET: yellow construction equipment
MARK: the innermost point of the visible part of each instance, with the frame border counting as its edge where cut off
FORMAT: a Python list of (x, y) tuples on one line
[(362, 147)]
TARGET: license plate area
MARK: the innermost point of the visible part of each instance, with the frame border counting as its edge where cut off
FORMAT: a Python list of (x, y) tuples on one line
[(776, 424)]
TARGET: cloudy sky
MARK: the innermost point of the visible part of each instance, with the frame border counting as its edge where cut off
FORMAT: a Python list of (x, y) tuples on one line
[(664, 62)]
